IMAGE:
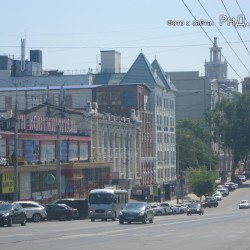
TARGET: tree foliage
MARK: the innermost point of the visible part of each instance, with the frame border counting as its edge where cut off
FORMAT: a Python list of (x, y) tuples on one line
[(193, 145), (231, 126), (202, 181)]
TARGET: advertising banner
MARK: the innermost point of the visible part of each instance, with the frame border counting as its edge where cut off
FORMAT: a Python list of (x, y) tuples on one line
[(7, 183)]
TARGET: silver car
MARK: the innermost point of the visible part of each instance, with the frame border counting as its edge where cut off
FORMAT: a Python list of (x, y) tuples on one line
[(35, 212), (244, 204)]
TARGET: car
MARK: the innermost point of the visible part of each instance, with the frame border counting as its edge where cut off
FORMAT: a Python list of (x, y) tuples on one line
[(231, 185), (238, 181), (167, 207), (60, 212), (12, 213), (246, 173), (34, 211), (80, 204), (210, 201), (218, 196), (136, 212), (158, 210), (195, 208), (241, 177), (223, 190), (244, 204), (179, 209)]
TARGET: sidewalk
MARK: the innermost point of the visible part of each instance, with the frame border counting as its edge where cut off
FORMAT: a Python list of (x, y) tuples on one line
[(187, 198)]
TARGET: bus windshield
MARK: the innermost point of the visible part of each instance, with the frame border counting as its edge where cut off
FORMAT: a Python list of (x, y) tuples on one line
[(101, 198)]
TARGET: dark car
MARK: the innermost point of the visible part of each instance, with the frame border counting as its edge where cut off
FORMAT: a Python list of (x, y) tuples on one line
[(136, 212), (12, 213), (80, 204), (60, 212), (247, 174), (195, 208), (210, 202)]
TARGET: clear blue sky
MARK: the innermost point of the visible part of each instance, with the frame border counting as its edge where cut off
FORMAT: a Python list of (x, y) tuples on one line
[(72, 33)]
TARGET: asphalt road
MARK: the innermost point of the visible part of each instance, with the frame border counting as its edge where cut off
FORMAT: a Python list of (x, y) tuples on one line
[(224, 227)]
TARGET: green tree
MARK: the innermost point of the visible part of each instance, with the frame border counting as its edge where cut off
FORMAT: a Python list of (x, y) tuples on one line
[(231, 126), (193, 145), (202, 181)]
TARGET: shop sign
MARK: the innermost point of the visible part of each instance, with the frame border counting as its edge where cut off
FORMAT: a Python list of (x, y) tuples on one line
[(7, 183)]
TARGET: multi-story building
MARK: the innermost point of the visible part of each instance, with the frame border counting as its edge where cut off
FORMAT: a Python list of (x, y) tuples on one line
[(113, 142), (158, 161), (246, 85)]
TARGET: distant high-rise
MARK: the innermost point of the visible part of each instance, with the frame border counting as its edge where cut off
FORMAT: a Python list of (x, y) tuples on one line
[(216, 68)]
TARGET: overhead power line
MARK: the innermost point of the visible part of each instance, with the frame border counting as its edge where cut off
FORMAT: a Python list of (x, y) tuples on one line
[(236, 29), (211, 40), (224, 37)]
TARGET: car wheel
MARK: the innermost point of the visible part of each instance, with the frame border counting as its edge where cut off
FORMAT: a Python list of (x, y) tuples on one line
[(63, 217), (70, 217), (158, 213), (92, 219), (121, 221), (10, 222), (24, 221), (36, 218)]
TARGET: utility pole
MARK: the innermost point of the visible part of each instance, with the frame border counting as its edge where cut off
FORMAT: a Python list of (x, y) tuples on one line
[(15, 155), (58, 165)]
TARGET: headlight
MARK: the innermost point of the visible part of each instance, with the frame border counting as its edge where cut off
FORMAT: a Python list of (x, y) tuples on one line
[(141, 213), (120, 213), (109, 212), (6, 214), (90, 211)]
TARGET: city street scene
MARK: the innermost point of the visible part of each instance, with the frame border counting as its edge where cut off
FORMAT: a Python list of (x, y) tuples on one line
[(125, 125)]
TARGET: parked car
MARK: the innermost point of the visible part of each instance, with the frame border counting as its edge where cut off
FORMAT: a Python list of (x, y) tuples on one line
[(167, 207), (179, 209), (80, 204), (158, 210), (60, 212), (210, 201), (241, 177), (231, 185), (244, 204), (12, 213), (246, 173), (238, 181), (218, 196), (223, 190), (195, 208), (34, 211), (136, 212)]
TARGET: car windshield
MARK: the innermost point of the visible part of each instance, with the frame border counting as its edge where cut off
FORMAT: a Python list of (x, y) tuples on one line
[(101, 198), (193, 205), (5, 207), (134, 206)]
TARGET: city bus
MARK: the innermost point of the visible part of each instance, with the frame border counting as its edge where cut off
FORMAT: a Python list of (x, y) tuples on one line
[(106, 203)]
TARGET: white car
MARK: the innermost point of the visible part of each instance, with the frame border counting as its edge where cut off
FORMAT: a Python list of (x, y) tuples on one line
[(223, 190), (167, 207), (158, 210), (218, 196), (35, 212), (244, 204), (179, 208), (241, 177)]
